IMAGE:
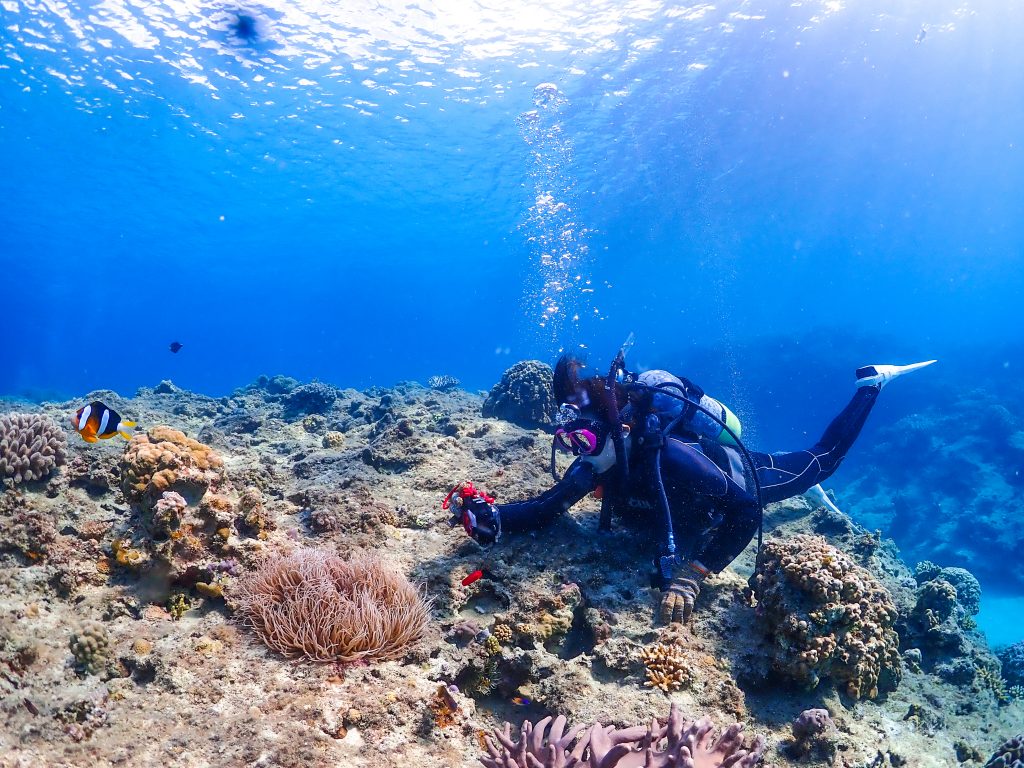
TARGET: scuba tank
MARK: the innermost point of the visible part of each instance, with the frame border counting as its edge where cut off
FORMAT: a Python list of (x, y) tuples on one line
[(712, 419)]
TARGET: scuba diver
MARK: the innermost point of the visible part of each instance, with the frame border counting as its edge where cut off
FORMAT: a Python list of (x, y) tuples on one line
[(663, 455)]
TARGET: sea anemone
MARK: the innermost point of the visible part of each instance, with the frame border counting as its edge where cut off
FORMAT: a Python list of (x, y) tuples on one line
[(315, 604)]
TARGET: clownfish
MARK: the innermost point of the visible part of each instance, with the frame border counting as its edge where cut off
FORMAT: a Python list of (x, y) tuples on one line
[(97, 422)]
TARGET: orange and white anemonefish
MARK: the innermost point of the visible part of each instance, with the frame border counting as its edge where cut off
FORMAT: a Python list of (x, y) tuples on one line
[(97, 422)]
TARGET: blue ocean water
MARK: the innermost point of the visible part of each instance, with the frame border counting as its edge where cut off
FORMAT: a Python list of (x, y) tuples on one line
[(769, 194)]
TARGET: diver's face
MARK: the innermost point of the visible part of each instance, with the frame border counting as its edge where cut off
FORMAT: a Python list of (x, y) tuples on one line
[(604, 459)]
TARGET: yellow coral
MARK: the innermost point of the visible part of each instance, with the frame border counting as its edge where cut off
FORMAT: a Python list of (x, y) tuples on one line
[(666, 667), (829, 617), (503, 633), (162, 460)]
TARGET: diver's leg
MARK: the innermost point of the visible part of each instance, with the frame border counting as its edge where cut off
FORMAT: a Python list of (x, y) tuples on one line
[(786, 474)]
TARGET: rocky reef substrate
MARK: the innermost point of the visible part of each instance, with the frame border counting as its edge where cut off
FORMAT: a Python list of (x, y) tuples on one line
[(119, 646)]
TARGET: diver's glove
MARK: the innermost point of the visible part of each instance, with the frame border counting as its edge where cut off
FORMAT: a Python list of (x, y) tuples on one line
[(678, 599), (475, 511)]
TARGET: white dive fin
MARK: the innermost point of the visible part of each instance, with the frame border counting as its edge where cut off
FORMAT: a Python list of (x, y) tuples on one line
[(817, 493), (882, 374)]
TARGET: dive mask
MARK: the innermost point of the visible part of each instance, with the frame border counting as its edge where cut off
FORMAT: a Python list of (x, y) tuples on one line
[(581, 437)]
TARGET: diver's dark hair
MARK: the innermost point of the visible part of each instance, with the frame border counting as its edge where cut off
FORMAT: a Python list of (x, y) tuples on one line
[(572, 384)]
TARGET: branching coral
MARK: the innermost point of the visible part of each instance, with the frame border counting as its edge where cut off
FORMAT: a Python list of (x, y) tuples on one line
[(443, 383), (312, 603), (827, 617), (680, 743), (31, 447), (524, 395), (666, 667)]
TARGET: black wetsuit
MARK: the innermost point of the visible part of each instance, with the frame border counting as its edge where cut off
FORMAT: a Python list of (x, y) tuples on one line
[(714, 514)]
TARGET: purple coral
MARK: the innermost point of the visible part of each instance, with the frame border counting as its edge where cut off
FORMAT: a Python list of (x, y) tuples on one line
[(1010, 754), (810, 723), (680, 743)]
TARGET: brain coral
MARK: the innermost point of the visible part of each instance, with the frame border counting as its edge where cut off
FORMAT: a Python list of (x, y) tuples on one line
[(31, 447), (312, 603), (165, 460), (524, 395), (679, 742), (828, 617), (1010, 754)]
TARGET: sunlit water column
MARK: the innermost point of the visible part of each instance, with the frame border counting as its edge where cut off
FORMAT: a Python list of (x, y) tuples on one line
[(557, 242)]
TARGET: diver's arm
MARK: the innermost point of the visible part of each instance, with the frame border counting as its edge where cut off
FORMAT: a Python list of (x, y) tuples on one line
[(685, 467), (579, 480)]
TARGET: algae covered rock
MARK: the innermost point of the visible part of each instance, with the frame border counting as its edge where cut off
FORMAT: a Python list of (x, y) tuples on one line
[(827, 618), (524, 395)]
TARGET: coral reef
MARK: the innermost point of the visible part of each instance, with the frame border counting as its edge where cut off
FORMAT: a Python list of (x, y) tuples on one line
[(1010, 754), (812, 732), (443, 383), (666, 667), (680, 742), (811, 722), (313, 398), (558, 622), (164, 459), (312, 603), (968, 590), (827, 616), (523, 396), (957, 501), (31, 447), (89, 646), (939, 625), (1012, 659)]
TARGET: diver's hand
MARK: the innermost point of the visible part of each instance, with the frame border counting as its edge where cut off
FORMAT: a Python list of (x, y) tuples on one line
[(677, 601), (476, 513)]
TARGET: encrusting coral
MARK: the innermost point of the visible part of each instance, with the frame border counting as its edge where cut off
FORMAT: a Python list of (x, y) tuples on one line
[(524, 395), (827, 617), (680, 743), (89, 646), (164, 460), (313, 603), (31, 447)]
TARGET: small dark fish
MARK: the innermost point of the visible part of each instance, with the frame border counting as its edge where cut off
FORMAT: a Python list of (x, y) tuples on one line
[(921, 35), (176, 346), (97, 422), (31, 707), (245, 27)]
